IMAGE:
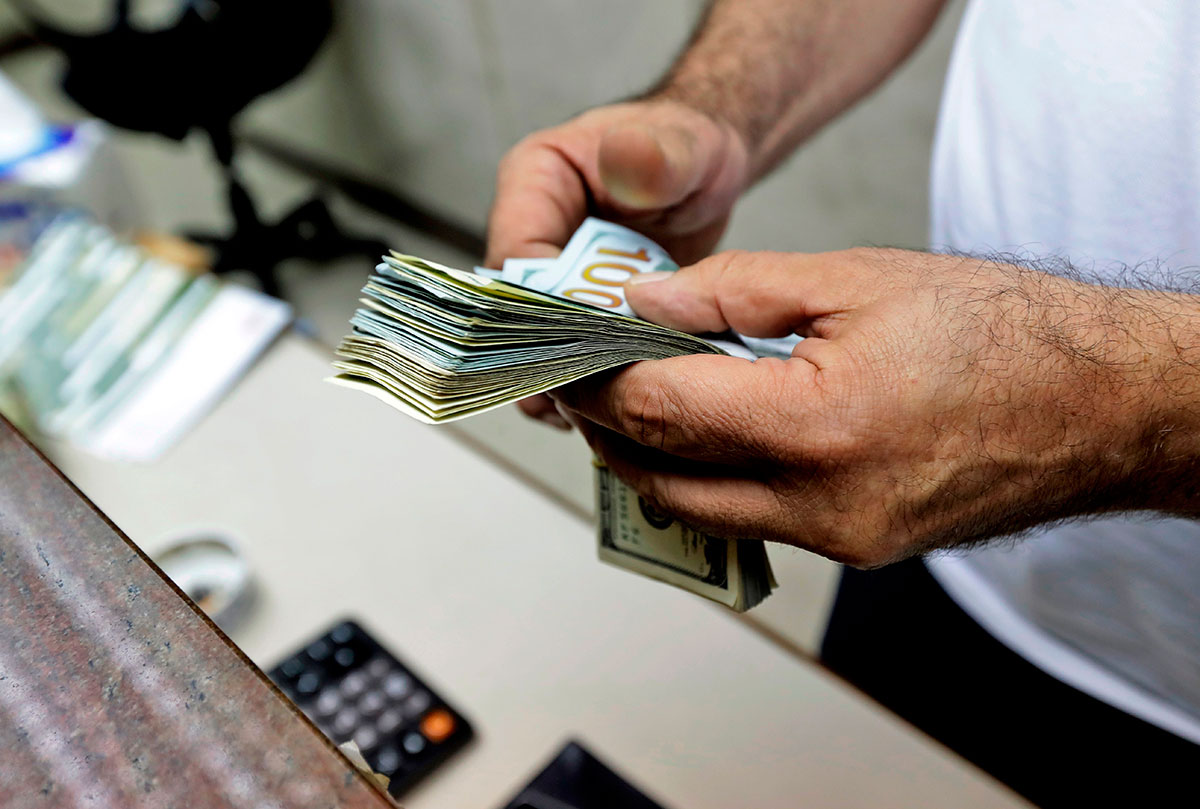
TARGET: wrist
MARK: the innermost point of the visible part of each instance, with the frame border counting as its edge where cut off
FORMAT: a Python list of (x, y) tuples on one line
[(1122, 386), (1160, 402), (1085, 399)]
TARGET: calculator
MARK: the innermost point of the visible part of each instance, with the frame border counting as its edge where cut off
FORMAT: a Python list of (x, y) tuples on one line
[(354, 689)]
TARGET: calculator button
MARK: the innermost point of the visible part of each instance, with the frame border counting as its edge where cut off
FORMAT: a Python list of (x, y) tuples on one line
[(397, 685), (354, 684), (378, 667), (389, 721), (344, 657), (319, 651), (437, 725), (388, 760), (345, 723), (414, 743), (417, 704), (341, 634), (366, 738), (308, 684), (328, 702), (372, 703), (292, 667)]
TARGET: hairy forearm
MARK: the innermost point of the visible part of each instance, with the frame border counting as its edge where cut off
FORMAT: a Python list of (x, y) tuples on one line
[(777, 70), (1088, 396), (1158, 394)]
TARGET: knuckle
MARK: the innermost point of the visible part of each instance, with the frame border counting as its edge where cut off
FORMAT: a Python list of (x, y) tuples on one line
[(510, 159), (837, 437), (727, 261), (644, 412), (728, 273), (741, 300), (838, 448), (521, 152)]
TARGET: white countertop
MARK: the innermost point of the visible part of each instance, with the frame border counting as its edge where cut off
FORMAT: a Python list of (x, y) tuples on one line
[(494, 594)]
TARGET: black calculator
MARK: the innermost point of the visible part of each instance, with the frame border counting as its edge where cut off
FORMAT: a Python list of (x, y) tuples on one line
[(354, 689)]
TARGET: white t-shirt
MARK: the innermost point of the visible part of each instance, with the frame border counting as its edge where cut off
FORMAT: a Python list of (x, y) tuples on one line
[(1072, 129)]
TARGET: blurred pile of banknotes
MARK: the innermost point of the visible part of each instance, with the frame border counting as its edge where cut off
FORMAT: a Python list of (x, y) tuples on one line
[(118, 350), (441, 344)]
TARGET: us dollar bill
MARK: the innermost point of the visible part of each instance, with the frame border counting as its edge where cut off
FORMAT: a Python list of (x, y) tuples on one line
[(593, 269), (594, 266), (440, 344), (632, 534)]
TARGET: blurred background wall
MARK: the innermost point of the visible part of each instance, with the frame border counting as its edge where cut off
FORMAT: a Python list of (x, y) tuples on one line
[(454, 84), (425, 97)]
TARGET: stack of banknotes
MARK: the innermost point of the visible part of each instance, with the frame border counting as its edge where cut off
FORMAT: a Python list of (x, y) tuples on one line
[(441, 344), (117, 350)]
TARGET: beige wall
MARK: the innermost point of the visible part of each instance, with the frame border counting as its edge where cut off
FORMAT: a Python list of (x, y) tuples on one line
[(427, 96)]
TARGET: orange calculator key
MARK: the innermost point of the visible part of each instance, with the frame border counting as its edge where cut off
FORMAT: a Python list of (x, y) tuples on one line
[(438, 724)]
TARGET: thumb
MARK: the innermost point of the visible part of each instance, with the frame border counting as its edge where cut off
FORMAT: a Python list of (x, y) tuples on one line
[(755, 294), (647, 167)]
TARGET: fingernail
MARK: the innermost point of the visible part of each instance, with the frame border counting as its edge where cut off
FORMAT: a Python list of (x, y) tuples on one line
[(557, 421), (648, 277)]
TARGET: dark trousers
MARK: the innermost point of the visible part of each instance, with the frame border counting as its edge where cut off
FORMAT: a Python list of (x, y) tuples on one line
[(895, 634)]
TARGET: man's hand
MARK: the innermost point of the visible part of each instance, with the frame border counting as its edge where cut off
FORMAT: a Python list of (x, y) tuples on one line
[(661, 168), (937, 401), (757, 78)]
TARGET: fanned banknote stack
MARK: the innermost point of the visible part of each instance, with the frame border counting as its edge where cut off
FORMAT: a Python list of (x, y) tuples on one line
[(441, 344)]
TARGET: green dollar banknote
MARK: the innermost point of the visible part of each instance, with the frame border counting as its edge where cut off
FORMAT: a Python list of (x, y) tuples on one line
[(441, 344)]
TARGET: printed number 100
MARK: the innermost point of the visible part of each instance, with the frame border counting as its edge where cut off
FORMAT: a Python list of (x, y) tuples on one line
[(599, 297)]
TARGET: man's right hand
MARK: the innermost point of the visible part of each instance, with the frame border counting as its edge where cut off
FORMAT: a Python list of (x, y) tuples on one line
[(659, 167)]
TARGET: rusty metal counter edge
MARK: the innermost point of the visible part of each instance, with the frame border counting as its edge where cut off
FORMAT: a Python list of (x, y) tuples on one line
[(116, 690)]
